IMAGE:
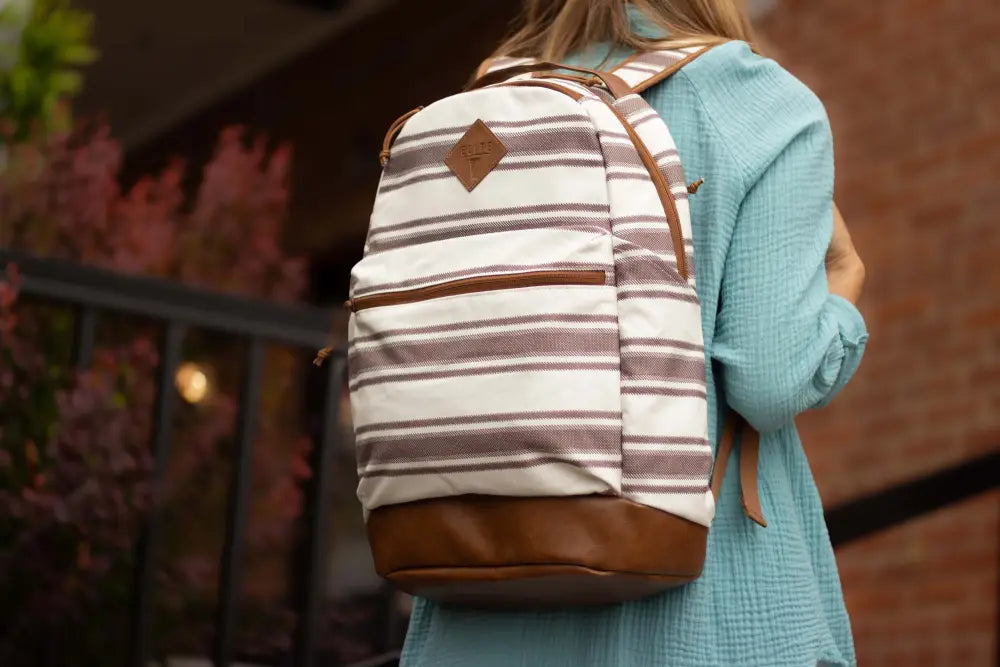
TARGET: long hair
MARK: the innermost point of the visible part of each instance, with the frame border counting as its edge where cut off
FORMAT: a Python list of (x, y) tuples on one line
[(550, 29)]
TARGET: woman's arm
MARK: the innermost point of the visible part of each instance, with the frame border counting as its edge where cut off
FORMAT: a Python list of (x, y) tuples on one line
[(845, 272), (783, 342)]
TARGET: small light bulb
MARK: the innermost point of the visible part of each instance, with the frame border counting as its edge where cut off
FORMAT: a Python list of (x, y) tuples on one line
[(192, 382)]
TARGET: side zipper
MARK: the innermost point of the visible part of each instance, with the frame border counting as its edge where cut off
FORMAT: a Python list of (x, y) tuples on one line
[(477, 284), (662, 189), (469, 286)]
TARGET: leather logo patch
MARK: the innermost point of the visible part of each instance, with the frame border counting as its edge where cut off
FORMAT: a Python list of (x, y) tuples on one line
[(475, 155)]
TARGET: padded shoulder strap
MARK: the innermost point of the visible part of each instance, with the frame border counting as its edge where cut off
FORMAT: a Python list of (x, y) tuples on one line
[(640, 71), (644, 70)]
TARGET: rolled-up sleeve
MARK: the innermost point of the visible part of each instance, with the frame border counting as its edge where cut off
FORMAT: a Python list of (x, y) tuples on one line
[(783, 343)]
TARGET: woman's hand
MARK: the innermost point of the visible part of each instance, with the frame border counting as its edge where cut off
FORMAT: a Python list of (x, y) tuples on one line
[(845, 272)]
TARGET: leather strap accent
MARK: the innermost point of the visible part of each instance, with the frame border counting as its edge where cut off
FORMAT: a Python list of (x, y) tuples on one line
[(669, 71), (693, 187), (749, 454), (390, 136), (512, 66), (582, 80), (615, 85), (532, 83)]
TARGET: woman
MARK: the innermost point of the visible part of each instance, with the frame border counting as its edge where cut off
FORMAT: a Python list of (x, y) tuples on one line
[(777, 277)]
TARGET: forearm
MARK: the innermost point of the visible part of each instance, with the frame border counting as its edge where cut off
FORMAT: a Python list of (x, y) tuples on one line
[(844, 269)]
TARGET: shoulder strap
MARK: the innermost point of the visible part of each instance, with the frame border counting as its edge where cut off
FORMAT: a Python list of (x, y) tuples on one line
[(645, 70), (615, 86), (640, 71), (749, 453)]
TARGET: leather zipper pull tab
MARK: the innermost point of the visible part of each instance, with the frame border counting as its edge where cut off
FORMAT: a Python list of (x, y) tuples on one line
[(322, 356), (390, 136)]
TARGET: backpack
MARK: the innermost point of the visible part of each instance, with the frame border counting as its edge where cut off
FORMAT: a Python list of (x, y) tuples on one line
[(525, 353)]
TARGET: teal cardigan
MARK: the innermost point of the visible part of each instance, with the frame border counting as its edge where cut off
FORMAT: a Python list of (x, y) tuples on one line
[(777, 343)]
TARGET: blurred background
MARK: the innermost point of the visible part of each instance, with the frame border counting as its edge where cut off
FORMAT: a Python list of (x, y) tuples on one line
[(184, 187)]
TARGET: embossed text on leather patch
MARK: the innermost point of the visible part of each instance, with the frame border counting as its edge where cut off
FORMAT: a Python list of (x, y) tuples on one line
[(475, 155)]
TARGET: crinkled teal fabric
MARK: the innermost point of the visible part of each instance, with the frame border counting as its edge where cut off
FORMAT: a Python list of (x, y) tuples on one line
[(778, 343)]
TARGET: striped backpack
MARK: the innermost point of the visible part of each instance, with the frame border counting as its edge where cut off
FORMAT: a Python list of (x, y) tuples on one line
[(526, 364)]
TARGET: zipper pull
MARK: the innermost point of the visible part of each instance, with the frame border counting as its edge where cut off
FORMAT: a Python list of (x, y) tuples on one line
[(322, 356), (693, 188), (394, 129)]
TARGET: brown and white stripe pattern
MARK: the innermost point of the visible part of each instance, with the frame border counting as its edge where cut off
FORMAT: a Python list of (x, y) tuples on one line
[(530, 387), (663, 362), (643, 67), (655, 134), (548, 141), (554, 390), (575, 216)]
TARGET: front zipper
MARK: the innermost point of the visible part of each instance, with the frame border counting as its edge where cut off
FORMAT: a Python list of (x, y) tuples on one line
[(662, 189), (477, 284)]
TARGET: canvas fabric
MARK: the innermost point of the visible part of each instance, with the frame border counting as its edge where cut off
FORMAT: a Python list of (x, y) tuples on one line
[(543, 390)]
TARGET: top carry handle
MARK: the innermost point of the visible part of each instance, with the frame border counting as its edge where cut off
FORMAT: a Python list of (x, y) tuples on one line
[(635, 74), (615, 85)]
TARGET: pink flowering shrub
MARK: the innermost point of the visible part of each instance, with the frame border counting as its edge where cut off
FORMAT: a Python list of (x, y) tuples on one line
[(75, 464), (62, 199)]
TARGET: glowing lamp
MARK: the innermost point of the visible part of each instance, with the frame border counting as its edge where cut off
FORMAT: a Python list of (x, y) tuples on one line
[(192, 383)]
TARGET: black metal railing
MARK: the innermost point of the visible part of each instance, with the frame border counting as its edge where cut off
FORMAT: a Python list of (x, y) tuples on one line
[(93, 292), (912, 499)]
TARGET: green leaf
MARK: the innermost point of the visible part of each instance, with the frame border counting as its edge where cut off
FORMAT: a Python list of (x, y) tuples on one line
[(66, 81), (20, 82), (78, 54), (55, 40)]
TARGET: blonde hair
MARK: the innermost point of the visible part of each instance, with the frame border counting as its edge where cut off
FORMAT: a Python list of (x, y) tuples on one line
[(551, 29)]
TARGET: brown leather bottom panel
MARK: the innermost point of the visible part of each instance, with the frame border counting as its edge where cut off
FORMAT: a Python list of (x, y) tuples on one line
[(534, 552)]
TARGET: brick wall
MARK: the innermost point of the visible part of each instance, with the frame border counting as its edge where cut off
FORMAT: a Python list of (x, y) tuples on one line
[(913, 92), (925, 593)]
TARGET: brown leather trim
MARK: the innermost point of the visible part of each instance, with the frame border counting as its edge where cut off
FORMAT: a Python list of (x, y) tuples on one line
[(531, 586), (582, 80), (390, 135), (614, 84), (662, 189), (322, 355), (476, 548), (478, 284), (670, 71), (749, 455), (476, 154), (576, 95)]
